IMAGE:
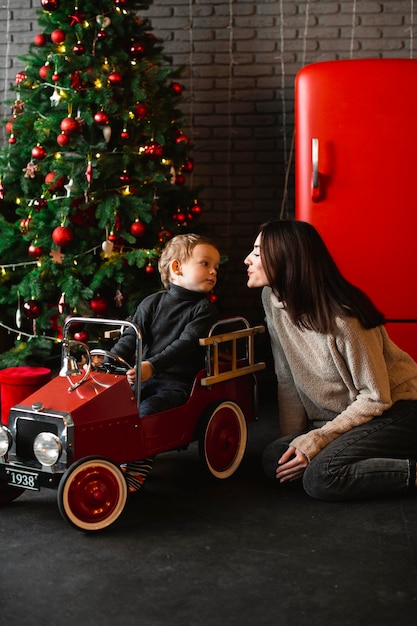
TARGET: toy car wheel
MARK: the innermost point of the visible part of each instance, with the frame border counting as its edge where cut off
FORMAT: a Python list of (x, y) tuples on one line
[(8, 493), (92, 494), (223, 439)]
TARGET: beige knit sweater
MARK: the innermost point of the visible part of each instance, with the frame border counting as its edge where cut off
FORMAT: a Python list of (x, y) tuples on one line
[(328, 384)]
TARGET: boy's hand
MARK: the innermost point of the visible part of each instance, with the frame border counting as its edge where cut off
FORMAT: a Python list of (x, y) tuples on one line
[(146, 371), (131, 376)]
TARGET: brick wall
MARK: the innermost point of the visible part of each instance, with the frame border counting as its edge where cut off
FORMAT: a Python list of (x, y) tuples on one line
[(240, 58)]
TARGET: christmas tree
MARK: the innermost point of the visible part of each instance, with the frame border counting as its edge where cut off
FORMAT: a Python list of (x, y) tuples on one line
[(93, 176)]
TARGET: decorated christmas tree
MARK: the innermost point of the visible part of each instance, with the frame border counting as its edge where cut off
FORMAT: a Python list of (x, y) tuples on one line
[(93, 177)]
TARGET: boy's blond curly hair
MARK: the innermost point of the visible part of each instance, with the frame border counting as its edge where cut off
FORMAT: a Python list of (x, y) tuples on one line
[(179, 247)]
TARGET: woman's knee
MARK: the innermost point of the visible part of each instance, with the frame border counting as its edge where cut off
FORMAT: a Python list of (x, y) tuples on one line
[(319, 483)]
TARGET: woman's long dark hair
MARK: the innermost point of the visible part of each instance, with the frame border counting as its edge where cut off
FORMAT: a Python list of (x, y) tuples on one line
[(304, 276)]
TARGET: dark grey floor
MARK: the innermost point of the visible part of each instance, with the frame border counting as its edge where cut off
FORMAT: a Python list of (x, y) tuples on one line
[(189, 551)]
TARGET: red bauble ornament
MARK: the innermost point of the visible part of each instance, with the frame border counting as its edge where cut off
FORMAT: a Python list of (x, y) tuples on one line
[(62, 235), (69, 125), (39, 40), (188, 165), (55, 77), (78, 49), (177, 88), (38, 152), (50, 5), (81, 335), (20, 77), (50, 178), (12, 139), (101, 34), (179, 217), (164, 235), (115, 79), (58, 36), (44, 71), (24, 225), (39, 203), (180, 179), (213, 298), (54, 183), (124, 134), (62, 140), (182, 139), (149, 269), (153, 150), (99, 305), (141, 110), (101, 118), (137, 49), (138, 229), (35, 251), (9, 127), (196, 209), (32, 309)]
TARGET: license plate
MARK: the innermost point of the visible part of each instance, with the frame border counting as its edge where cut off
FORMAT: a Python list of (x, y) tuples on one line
[(20, 478)]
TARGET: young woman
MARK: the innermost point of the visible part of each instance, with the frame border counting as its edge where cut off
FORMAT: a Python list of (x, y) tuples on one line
[(347, 395)]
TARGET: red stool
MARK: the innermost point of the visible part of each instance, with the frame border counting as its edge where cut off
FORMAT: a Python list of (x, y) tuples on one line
[(16, 383)]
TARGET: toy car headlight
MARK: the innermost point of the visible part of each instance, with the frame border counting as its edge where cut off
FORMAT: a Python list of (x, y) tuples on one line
[(5, 440), (47, 448)]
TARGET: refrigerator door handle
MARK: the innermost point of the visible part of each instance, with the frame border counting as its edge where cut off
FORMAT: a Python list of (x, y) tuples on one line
[(315, 188)]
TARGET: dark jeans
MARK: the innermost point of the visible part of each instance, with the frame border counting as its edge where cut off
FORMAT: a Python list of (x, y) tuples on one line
[(160, 394), (374, 459)]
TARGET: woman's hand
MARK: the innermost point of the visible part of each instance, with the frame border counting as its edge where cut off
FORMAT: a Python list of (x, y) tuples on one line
[(291, 465)]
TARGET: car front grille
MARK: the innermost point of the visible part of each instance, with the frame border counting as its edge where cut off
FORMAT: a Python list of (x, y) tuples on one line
[(25, 424), (26, 432)]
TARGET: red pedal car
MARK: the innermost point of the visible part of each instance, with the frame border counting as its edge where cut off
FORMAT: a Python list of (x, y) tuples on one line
[(75, 432)]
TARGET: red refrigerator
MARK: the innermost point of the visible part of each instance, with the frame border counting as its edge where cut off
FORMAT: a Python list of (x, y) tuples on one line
[(356, 177)]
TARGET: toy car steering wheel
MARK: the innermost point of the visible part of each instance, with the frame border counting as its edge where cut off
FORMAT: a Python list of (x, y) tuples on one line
[(110, 363)]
